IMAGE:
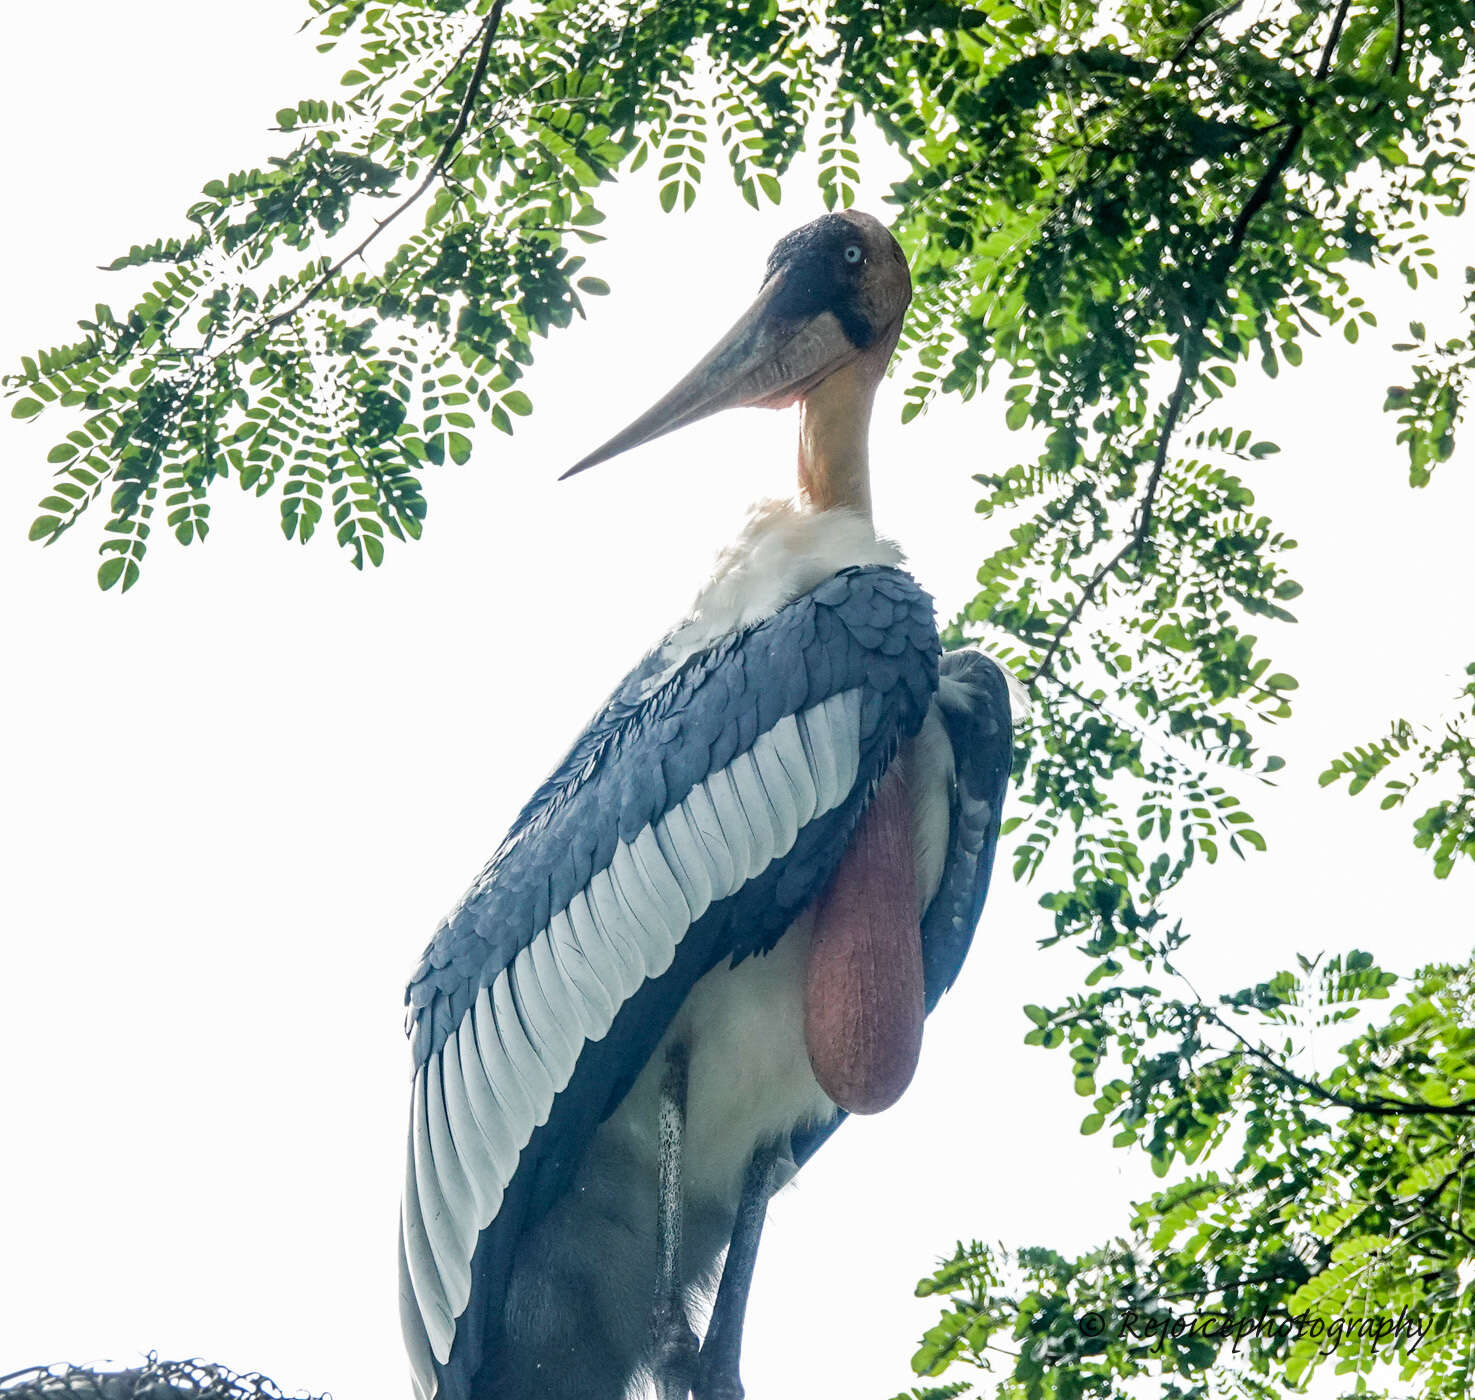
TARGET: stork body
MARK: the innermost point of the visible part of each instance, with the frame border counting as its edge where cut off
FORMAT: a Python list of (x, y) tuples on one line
[(719, 923)]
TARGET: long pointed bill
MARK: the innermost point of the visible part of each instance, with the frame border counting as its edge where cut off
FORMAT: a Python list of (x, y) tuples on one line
[(768, 358)]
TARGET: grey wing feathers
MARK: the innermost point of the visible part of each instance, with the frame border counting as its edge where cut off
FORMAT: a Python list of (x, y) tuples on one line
[(973, 696)]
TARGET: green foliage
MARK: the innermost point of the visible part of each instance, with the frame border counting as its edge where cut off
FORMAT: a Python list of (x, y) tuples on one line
[(330, 381), (937, 1392), (1120, 218), (1117, 221), (1336, 1238), (286, 384), (1430, 407), (1409, 754)]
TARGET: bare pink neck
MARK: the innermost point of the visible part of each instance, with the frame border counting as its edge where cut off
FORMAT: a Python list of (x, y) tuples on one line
[(834, 430)]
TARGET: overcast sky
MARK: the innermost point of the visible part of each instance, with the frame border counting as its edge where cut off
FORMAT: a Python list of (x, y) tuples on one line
[(238, 799)]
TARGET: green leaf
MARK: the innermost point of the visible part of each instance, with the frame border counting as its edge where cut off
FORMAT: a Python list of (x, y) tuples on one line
[(118, 568)]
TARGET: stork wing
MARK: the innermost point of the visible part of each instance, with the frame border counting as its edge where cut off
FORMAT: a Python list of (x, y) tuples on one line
[(973, 698), (693, 820)]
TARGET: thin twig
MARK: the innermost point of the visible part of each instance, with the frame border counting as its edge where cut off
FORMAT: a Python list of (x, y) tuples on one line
[(1432, 1195), (1380, 1106), (1143, 521), (1277, 1276), (1200, 29), (454, 65), (1333, 39), (447, 150), (1190, 346)]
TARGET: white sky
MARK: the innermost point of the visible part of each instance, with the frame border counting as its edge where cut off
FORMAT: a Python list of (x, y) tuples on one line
[(238, 799)]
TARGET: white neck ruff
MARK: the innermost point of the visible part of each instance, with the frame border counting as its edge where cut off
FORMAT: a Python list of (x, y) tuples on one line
[(784, 550)]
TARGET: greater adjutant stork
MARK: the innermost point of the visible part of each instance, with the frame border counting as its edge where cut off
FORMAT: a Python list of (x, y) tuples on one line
[(718, 926)]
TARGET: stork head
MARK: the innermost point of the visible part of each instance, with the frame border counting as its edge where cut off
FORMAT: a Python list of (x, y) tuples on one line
[(832, 299)]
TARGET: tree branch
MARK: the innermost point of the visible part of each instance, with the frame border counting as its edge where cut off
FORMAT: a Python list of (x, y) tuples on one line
[(1431, 1196), (1188, 367), (1381, 1106), (1220, 267), (1200, 29), (447, 150), (1395, 59)]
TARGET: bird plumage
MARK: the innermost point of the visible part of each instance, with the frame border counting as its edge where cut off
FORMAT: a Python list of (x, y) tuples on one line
[(690, 824), (660, 890)]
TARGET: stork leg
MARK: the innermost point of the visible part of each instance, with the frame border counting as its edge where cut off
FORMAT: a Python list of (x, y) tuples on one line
[(717, 1366), (673, 1343)]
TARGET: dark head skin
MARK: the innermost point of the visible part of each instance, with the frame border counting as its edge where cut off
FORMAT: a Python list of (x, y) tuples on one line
[(820, 333), (840, 264)]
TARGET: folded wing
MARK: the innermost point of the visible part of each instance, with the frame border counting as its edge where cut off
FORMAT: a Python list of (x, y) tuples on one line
[(691, 822)]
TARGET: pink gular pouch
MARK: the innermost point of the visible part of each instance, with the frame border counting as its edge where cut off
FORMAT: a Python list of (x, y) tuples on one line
[(863, 994)]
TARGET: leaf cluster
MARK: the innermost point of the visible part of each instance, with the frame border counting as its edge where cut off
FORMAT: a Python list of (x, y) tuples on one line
[(1342, 1196), (1409, 754), (291, 342)]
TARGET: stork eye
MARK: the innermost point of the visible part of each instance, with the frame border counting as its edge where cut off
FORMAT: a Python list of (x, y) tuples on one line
[(852, 253)]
